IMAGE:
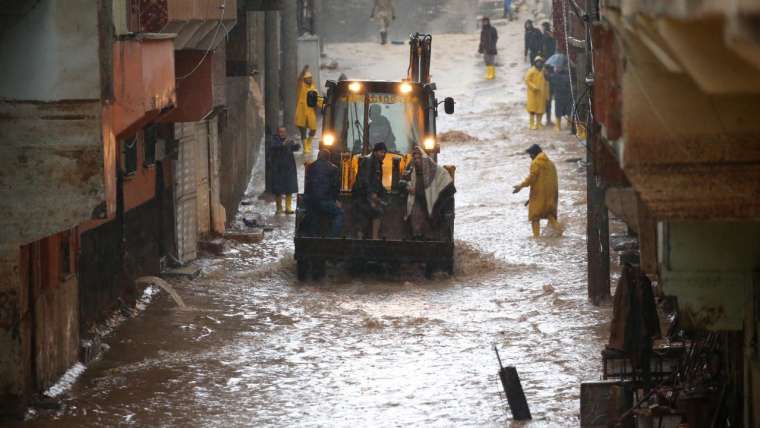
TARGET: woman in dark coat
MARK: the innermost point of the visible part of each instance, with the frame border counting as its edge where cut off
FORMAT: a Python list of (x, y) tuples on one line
[(533, 41), (563, 100), (284, 175), (488, 38)]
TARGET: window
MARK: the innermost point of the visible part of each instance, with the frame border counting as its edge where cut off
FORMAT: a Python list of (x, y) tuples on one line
[(149, 146), (129, 155)]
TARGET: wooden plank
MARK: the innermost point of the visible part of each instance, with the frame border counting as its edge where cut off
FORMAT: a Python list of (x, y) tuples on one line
[(518, 404)]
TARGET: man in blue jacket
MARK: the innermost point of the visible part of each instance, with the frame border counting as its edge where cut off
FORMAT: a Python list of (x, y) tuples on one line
[(321, 194)]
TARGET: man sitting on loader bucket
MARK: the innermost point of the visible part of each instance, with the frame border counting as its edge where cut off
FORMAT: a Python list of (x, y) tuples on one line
[(368, 191)]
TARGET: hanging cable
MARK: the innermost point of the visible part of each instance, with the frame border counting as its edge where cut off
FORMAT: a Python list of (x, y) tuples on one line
[(219, 25)]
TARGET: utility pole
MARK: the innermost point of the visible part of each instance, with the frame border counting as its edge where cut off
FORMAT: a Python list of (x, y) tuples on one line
[(597, 220), (317, 24), (289, 62)]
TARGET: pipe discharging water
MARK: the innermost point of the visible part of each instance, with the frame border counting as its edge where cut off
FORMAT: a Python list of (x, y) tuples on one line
[(165, 285)]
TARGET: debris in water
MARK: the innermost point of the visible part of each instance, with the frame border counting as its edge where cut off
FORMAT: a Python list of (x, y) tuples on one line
[(458, 136)]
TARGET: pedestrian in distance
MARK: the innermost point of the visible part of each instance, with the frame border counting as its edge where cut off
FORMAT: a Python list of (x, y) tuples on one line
[(321, 192), (537, 95), (548, 44), (533, 41), (383, 12), (368, 192), (284, 175), (544, 191), (306, 117), (488, 38), (508, 10)]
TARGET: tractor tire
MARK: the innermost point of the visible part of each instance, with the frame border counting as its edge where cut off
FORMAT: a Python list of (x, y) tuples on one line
[(302, 267), (318, 269)]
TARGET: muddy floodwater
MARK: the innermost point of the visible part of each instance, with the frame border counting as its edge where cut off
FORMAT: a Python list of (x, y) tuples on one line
[(257, 348)]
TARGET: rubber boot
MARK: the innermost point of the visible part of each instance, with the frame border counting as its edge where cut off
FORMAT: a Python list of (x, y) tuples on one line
[(307, 149), (488, 72), (376, 228), (532, 121), (557, 226), (278, 201), (383, 38), (493, 72), (289, 204), (558, 125), (535, 225), (538, 121)]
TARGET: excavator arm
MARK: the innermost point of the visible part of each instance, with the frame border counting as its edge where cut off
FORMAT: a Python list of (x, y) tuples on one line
[(420, 47)]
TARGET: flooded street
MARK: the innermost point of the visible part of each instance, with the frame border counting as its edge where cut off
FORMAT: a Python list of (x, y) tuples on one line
[(257, 348)]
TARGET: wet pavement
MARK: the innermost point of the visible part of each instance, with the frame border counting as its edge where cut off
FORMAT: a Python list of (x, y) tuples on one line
[(258, 348)]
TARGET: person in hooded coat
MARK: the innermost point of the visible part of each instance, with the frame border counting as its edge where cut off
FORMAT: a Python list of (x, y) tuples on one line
[(284, 175), (428, 185), (488, 38), (533, 41), (544, 190), (368, 192), (306, 117), (537, 93)]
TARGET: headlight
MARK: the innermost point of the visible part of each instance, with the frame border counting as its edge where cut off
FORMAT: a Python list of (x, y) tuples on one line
[(405, 88), (354, 87), (429, 143), (328, 139)]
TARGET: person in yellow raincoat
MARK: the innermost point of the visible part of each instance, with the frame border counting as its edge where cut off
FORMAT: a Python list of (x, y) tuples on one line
[(306, 117), (538, 93), (544, 190)]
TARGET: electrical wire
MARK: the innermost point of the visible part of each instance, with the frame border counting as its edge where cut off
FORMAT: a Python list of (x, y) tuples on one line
[(219, 25)]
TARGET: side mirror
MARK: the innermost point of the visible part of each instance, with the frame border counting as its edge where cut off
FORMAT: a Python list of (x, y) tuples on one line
[(448, 105), (312, 97)]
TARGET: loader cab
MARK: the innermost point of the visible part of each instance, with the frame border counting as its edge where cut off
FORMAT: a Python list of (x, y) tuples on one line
[(359, 114)]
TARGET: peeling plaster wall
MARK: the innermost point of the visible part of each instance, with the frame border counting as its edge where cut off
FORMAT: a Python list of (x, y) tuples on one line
[(64, 34)]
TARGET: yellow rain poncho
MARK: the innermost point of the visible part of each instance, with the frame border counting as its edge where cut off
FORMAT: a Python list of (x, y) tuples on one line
[(306, 117), (544, 188), (537, 91)]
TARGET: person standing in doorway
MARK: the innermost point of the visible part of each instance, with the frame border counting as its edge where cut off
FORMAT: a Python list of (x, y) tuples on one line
[(537, 93), (284, 176), (383, 12), (306, 117), (544, 191), (488, 38)]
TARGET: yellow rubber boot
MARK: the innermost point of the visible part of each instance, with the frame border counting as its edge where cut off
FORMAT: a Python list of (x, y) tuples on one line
[(307, 148), (488, 72), (532, 121), (288, 204), (493, 72), (557, 226), (558, 125), (538, 122), (536, 227), (278, 201)]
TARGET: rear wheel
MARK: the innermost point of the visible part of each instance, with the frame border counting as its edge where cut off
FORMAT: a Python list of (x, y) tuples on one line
[(318, 269), (302, 267), (429, 270)]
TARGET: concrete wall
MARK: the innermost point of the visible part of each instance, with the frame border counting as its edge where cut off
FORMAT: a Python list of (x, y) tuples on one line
[(64, 34), (241, 134)]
